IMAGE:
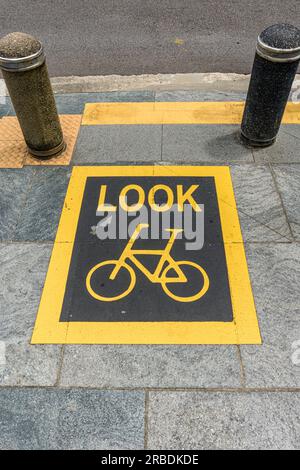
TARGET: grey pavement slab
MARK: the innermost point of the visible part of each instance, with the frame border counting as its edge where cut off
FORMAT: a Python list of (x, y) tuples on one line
[(286, 148), (44, 201), (121, 143), (275, 275), (151, 366), (14, 188), (43, 419), (203, 143), (73, 103), (288, 181), (246, 421), (22, 272), (261, 213), (195, 95)]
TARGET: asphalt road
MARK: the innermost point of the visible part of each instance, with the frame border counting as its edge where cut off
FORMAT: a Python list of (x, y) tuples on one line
[(127, 37)]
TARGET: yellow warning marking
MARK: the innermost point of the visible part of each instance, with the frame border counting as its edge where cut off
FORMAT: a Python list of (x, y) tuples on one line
[(174, 113), (243, 329)]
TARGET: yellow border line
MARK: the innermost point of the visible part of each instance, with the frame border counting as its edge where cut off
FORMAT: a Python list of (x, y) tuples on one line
[(243, 330), (174, 113)]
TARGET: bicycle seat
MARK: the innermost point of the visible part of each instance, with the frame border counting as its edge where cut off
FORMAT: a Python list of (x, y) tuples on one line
[(174, 230)]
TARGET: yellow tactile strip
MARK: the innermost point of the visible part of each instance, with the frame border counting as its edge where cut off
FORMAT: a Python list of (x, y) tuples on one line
[(174, 113), (13, 151)]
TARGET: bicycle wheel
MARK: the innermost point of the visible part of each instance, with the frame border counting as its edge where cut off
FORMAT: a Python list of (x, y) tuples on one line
[(99, 284), (204, 277)]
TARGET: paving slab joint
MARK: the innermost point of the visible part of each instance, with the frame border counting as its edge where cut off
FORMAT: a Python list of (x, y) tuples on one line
[(281, 202), (242, 368), (146, 419)]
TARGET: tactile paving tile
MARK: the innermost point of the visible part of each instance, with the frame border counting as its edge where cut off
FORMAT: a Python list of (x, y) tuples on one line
[(12, 154), (10, 129), (13, 151)]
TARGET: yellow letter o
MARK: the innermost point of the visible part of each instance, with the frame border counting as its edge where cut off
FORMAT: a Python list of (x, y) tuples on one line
[(135, 207), (163, 207)]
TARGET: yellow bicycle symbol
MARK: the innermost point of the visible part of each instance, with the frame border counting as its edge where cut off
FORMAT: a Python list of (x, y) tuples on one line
[(159, 275)]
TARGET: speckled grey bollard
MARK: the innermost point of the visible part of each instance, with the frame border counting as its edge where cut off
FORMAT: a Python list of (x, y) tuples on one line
[(275, 66), (24, 70)]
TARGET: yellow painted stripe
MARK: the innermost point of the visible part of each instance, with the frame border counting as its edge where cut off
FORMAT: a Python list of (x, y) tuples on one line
[(174, 113)]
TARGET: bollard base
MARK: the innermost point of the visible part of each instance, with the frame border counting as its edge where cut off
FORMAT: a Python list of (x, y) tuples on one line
[(47, 154), (256, 143)]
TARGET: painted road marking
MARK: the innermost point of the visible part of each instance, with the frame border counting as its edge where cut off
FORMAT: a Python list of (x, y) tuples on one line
[(174, 113), (152, 285)]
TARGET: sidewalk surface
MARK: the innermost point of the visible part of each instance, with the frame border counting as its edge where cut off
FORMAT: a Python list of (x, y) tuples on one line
[(155, 397)]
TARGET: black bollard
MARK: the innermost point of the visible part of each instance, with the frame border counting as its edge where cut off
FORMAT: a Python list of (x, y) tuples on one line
[(22, 62), (275, 66)]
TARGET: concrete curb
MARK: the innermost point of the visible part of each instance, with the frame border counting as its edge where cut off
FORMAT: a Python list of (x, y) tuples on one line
[(221, 82), (160, 82), (204, 82)]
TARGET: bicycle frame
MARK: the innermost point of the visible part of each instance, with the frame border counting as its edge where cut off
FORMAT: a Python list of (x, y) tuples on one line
[(165, 257)]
